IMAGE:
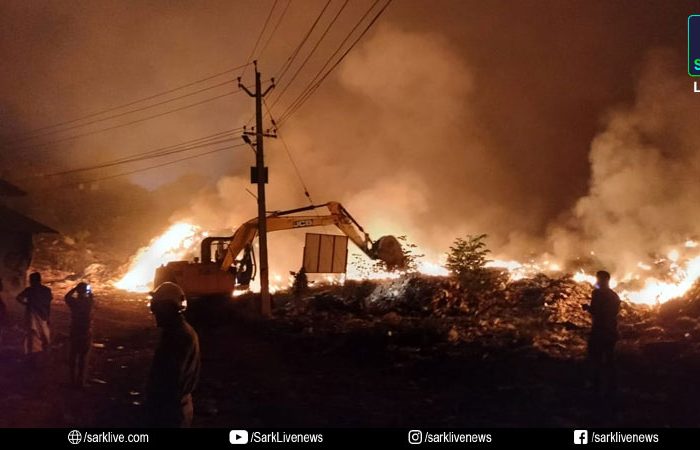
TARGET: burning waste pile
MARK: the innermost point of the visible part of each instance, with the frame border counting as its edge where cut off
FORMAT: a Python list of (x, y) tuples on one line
[(469, 298), (544, 312), (65, 260), (489, 306)]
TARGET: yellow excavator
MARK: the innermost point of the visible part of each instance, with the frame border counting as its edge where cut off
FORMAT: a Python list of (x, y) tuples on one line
[(228, 263)]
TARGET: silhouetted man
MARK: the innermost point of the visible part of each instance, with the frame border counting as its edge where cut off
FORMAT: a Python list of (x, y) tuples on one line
[(299, 288), (604, 307), (37, 299), (176, 362), (80, 302)]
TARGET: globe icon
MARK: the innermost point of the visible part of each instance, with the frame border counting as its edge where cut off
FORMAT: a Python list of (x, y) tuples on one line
[(74, 437)]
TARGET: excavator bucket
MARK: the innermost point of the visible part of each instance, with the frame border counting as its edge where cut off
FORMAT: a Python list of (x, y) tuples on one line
[(388, 249)]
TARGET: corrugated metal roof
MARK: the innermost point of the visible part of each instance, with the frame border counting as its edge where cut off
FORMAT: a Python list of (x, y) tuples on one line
[(11, 220)]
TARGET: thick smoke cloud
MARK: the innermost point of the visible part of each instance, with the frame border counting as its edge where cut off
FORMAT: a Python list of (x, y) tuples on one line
[(465, 117), (644, 188), (409, 159), (412, 160)]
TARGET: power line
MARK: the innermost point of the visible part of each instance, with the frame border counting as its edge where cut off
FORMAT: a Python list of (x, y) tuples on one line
[(310, 54), (144, 157), (133, 102), (288, 63), (156, 166), (291, 158), (124, 113), (285, 67), (113, 127), (330, 58), (274, 29), (257, 41), (289, 112), (185, 143)]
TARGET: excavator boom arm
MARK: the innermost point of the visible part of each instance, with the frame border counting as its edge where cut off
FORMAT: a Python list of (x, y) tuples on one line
[(287, 220)]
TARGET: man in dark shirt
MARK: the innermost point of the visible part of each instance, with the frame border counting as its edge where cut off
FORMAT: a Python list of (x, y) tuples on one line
[(604, 307), (80, 302), (176, 361), (37, 299)]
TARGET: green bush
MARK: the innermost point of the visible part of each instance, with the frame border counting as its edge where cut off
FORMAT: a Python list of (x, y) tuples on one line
[(467, 256)]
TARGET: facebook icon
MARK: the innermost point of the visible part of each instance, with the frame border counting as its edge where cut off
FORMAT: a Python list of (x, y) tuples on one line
[(580, 437)]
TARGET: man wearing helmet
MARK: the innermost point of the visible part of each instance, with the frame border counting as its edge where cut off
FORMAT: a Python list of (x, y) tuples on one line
[(176, 361)]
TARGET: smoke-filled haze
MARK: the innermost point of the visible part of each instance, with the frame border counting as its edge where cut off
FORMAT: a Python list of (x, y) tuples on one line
[(565, 127)]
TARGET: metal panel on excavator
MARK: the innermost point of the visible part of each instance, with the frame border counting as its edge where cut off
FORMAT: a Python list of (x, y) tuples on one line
[(325, 253)]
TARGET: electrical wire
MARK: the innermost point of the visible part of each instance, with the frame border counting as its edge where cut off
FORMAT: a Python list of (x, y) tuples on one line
[(185, 143), (333, 55), (113, 127), (257, 41), (291, 110), (142, 157), (124, 113), (310, 54), (156, 166), (274, 30), (291, 158), (288, 63), (134, 102)]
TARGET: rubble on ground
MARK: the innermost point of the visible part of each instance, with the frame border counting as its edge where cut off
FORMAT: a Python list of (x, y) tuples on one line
[(544, 312), (64, 261)]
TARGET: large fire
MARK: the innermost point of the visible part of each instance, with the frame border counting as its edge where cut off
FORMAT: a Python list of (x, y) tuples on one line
[(174, 244), (650, 283)]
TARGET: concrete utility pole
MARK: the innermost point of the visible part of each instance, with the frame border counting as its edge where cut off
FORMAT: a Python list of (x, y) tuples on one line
[(258, 175)]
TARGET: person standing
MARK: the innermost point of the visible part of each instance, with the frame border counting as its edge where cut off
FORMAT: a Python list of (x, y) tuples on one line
[(299, 288), (37, 300), (176, 361), (604, 308), (80, 301)]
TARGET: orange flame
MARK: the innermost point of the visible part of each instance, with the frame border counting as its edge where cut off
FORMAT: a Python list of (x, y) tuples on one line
[(174, 244), (683, 270)]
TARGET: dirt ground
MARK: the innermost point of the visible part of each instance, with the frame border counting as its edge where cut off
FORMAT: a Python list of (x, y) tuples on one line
[(281, 373)]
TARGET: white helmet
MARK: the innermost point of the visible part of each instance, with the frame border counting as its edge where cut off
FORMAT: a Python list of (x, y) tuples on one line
[(168, 296)]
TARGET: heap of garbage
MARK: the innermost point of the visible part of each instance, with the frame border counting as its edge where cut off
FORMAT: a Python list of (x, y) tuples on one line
[(543, 312), (65, 260)]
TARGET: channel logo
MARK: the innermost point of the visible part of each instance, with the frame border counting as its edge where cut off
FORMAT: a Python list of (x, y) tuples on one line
[(694, 45), (415, 437), (580, 437), (238, 437)]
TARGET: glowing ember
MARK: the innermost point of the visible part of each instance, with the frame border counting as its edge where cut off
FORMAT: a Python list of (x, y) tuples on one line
[(673, 255), (583, 277), (518, 270), (554, 267), (434, 269), (504, 264), (173, 245)]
